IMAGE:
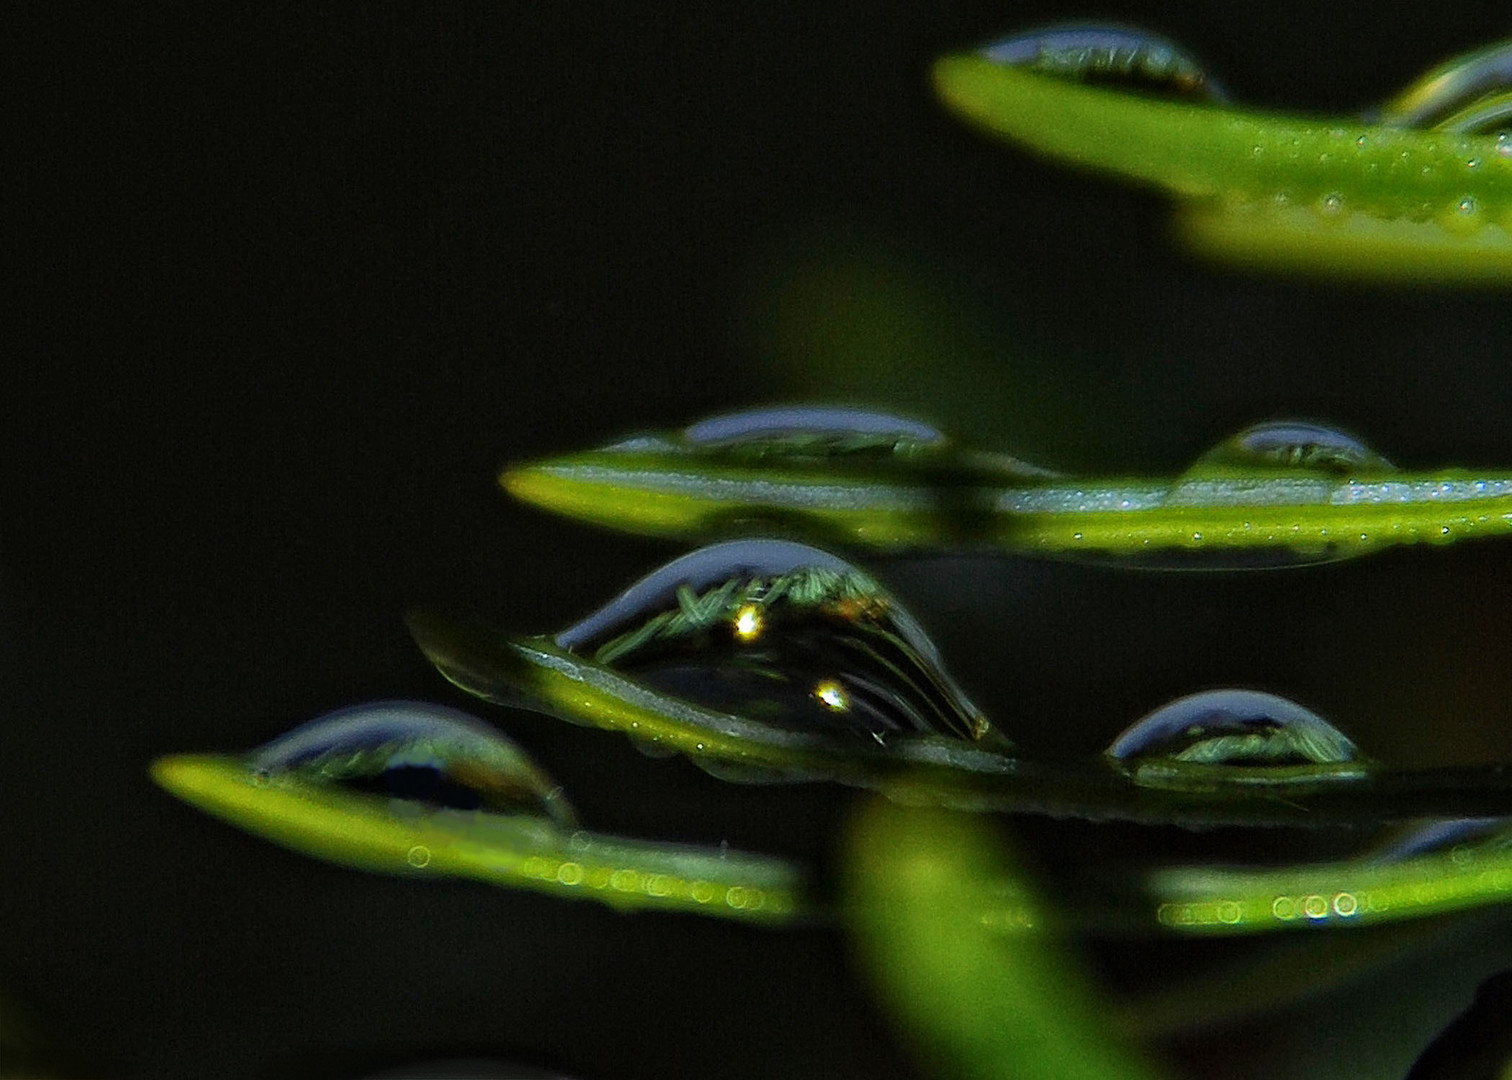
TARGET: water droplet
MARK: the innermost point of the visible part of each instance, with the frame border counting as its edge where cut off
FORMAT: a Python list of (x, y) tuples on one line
[(1293, 444), (1503, 144), (1105, 53), (786, 635), (416, 753), (1464, 217), (1467, 94), (1331, 205), (1362, 141), (812, 428), (1234, 728), (832, 696)]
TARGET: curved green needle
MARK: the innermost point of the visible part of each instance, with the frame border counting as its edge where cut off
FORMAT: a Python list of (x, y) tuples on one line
[(372, 833), (1240, 511), (1303, 193), (1231, 900), (1219, 901), (309, 812), (538, 674)]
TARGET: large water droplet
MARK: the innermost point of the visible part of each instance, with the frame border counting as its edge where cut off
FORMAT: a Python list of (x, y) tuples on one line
[(784, 634), (1468, 94), (1234, 727), (813, 427), (419, 753), (1121, 55), (1294, 444)]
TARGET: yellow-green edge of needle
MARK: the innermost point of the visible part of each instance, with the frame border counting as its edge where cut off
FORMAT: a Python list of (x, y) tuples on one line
[(363, 833), (1296, 192)]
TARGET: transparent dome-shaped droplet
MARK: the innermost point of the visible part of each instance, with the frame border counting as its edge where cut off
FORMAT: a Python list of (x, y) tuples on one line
[(1234, 727), (419, 753), (783, 634), (1295, 444), (1120, 55), (812, 427), (1468, 94)]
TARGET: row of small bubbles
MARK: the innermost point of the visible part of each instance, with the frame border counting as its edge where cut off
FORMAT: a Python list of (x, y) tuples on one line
[(1316, 907), (1480, 871), (1312, 907), (662, 886)]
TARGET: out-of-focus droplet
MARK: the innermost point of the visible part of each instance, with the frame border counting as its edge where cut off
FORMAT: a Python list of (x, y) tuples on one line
[(1295, 444), (1234, 727), (1121, 55), (1445, 835), (783, 634), (1467, 95), (417, 753)]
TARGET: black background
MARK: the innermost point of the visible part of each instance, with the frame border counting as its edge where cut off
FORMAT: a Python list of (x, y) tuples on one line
[(290, 285)]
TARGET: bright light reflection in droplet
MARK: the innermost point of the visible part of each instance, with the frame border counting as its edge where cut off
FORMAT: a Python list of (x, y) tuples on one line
[(748, 623), (832, 696)]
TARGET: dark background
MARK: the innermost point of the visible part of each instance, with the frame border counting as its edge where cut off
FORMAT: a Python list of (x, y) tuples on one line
[(290, 286)]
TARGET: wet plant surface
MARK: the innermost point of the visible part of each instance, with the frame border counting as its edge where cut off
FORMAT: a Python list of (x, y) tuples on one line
[(296, 290)]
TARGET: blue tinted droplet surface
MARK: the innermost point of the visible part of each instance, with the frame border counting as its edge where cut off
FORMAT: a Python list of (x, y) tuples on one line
[(417, 752), (1234, 727), (1447, 835)]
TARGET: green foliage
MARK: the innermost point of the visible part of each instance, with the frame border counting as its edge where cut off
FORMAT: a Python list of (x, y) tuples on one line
[(987, 990), (1410, 196), (812, 671)]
